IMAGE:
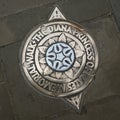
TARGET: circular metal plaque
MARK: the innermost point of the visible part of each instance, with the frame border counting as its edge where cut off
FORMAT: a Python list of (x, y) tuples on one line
[(59, 58)]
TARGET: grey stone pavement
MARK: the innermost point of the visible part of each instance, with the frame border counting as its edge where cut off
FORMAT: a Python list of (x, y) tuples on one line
[(18, 101)]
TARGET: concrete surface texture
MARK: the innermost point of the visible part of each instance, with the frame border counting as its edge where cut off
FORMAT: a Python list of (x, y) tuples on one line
[(18, 101)]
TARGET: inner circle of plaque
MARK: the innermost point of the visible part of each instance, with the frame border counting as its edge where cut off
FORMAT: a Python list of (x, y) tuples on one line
[(60, 56), (60, 80)]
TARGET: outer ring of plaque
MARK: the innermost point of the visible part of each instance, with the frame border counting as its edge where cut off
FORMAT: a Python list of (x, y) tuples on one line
[(28, 78)]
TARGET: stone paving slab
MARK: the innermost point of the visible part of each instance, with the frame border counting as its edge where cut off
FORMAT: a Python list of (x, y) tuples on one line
[(95, 7), (108, 43), (107, 109), (115, 4), (6, 111), (1, 73), (14, 27), (8, 7)]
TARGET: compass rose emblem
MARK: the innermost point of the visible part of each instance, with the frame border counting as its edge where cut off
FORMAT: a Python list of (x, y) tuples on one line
[(59, 58)]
